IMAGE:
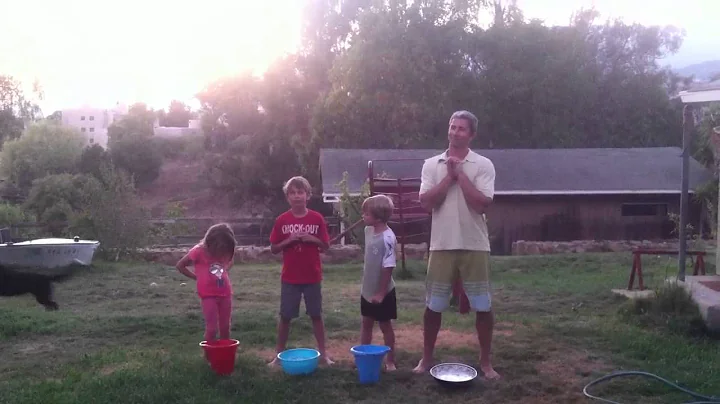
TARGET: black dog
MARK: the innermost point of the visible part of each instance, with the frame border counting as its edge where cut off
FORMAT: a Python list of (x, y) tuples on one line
[(13, 283)]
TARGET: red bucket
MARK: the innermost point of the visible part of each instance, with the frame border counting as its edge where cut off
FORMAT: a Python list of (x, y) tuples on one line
[(221, 355)]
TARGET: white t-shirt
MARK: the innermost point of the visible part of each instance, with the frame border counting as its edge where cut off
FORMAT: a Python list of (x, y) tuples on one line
[(379, 254)]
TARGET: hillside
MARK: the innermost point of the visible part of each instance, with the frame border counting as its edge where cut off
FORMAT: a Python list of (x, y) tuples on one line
[(181, 181), (702, 71)]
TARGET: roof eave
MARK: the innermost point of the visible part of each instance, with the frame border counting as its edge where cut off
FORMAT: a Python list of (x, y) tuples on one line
[(691, 97), (333, 197)]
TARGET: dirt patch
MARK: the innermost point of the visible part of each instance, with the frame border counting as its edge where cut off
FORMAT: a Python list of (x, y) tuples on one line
[(504, 329), (409, 338), (265, 354), (350, 292), (35, 348), (569, 366)]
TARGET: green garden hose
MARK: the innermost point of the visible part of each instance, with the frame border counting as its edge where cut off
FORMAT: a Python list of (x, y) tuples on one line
[(706, 399)]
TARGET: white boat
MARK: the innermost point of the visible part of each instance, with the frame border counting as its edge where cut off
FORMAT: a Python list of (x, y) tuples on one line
[(50, 256)]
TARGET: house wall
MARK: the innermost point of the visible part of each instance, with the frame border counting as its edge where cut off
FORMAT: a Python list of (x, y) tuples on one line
[(587, 217), (568, 218)]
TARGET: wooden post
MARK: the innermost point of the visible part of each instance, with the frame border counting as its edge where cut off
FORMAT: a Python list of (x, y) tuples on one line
[(715, 141), (699, 268), (688, 124), (402, 223), (342, 230)]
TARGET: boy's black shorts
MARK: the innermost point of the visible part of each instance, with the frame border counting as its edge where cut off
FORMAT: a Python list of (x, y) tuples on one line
[(383, 311)]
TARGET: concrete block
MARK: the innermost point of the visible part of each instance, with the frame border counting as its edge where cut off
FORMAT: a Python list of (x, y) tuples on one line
[(701, 289)]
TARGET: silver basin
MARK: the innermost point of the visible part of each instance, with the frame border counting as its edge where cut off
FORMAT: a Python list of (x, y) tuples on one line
[(453, 374)]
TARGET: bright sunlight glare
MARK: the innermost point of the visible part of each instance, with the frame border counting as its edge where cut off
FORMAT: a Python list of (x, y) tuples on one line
[(100, 52)]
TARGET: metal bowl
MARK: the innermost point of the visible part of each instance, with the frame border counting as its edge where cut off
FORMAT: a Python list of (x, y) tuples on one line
[(453, 374)]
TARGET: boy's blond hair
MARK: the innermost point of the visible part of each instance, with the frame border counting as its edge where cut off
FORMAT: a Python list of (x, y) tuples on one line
[(298, 182), (379, 206)]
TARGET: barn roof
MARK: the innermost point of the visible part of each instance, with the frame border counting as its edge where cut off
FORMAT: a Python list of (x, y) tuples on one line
[(654, 170)]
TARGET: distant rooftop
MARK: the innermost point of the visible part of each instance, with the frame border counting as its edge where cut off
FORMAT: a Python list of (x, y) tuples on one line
[(702, 92)]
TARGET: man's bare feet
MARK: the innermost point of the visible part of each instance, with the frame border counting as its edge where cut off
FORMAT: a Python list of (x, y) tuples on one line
[(390, 367), (423, 366), (273, 363), (489, 373)]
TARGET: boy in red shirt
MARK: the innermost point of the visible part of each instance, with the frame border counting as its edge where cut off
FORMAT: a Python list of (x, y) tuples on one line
[(301, 234)]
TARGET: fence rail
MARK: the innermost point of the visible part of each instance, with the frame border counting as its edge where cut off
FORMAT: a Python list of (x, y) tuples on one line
[(248, 231)]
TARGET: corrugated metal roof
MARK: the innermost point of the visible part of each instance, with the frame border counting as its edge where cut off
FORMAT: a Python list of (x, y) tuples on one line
[(532, 171)]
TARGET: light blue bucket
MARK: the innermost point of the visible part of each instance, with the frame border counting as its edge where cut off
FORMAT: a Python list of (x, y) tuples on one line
[(368, 359)]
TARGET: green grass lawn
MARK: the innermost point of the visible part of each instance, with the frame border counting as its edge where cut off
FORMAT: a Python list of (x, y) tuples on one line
[(116, 339)]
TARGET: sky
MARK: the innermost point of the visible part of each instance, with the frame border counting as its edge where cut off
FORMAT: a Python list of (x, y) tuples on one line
[(98, 52)]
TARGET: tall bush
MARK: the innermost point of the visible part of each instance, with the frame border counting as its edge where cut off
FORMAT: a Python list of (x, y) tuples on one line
[(43, 149), (351, 208), (113, 215)]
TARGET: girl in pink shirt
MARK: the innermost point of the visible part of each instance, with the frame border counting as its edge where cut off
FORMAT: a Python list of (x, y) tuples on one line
[(212, 259)]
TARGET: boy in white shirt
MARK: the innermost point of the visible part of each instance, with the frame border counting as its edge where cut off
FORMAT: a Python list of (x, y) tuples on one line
[(377, 300)]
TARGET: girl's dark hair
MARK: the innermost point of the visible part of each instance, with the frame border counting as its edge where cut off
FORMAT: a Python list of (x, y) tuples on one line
[(220, 240)]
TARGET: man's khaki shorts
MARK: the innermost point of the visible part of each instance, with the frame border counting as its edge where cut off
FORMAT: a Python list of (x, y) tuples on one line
[(445, 267)]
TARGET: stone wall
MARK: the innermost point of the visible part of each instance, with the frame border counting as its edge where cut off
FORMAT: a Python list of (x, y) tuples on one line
[(337, 254), (522, 247)]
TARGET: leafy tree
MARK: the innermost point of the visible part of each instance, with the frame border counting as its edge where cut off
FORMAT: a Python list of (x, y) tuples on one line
[(43, 149), (16, 108), (189, 146), (64, 190), (177, 116), (131, 146), (56, 199), (92, 159), (230, 108), (139, 157), (388, 74), (585, 85), (12, 214), (113, 214), (414, 71), (55, 116), (137, 123)]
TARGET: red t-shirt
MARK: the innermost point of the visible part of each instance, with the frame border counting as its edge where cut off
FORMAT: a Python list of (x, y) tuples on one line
[(301, 261), (212, 274)]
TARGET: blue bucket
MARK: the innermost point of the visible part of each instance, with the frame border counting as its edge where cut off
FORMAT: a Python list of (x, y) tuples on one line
[(368, 359), (299, 361)]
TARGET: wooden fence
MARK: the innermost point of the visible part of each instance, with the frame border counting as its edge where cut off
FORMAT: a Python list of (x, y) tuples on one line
[(248, 231)]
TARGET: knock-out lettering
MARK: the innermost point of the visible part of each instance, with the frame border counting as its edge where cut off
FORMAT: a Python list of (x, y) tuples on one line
[(300, 228)]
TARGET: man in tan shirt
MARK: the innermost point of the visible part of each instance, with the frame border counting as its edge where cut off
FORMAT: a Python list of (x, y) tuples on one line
[(458, 186)]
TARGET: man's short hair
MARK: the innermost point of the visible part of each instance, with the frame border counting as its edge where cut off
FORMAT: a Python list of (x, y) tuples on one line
[(298, 182), (468, 116), (379, 206)]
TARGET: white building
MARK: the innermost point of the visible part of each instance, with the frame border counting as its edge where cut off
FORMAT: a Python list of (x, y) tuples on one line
[(164, 131), (93, 122)]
